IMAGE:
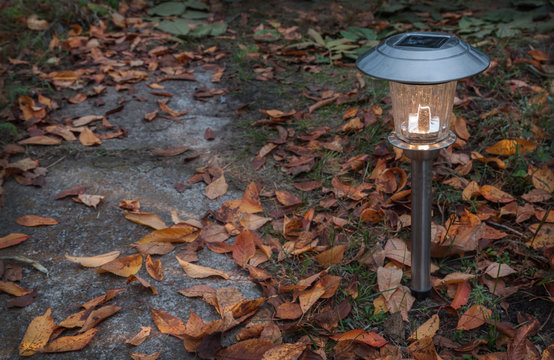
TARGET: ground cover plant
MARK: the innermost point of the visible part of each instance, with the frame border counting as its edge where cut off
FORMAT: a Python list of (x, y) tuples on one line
[(322, 225)]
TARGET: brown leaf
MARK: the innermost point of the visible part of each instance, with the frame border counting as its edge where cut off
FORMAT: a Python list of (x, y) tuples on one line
[(187, 233), (143, 282), (209, 134), (147, 219), (13, 289), (511, 147), (288, 311), (452, 278), (71, 343), (77, 99), (332, 256), (94, 261), (462, 295), (423, 349), (537, 195), (253, 221), (473, 318), (125, 266), (141, 356), (246, 307), (287, 199), (167, 323), (285, 352), (139, 338), (496, 270), (24, 300), (538, 55), (308, 297), (154, 248), (494, 194), (251, 349), (170, 111), (102, 299), (151, 116), (216, 188), (34, 23), (40, 140), (37, 334), (388, 279), (199, 272), (401, 300), (154, 268), (460, 128), (89, 200), (427, 329), (244, 247), (12, 239), (471, 190), (98, 315), (360, 336), (307, 185), (88, 138), (87, 119), (544, 179), (170, 152), (74, 191)]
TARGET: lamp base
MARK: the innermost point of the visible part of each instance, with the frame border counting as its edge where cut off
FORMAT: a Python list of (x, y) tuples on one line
[(421, 295), (397, 142)]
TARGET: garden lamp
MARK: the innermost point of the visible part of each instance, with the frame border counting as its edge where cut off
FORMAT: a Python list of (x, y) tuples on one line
[(422, 68)]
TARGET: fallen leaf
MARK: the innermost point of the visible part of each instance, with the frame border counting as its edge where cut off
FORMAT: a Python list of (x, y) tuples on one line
[(471, 190), (167, 323), (331, 256), (216, 188), (388, 279), (288, 311), (139, 338), (143, 282), (141, 356), (244, 247), (94, 261), (496, 270), (40, 140), (452, 278), (209, 134), (99, 315), (246, 307), (462, 295), (12, 239), (154, 248), (187, 233), (473, 318), (251, 349), (147, 219), (170, 152), (124, 266), (154, 268), (511, 147), (34, 23), (71, 343), (74, 191), (253, 221), (494, 194), (544, 179), (401, 300), (427, 329), (13, 289), (199, 272), (37, 334), (544, 237), (423, 349), (360, 336), (308, 297), (110, 294), (88, 138), (77, 99), (537, 195), (287, 199), (285, 352), (89, 200), (87, 119)]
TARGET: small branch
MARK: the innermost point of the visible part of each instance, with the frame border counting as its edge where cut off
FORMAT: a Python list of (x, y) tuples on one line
[(505, 227)]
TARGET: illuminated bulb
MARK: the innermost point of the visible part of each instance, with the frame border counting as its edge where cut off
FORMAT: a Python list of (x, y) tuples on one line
[(422, 122)]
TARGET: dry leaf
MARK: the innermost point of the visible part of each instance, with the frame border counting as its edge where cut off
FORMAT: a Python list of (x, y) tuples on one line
[(88, 138), (140, 356), (244, 247), (71, 343), (251, 349), (167, 323), (199, 272), (40, 140), (544, 179), (360, 336), (427, 329), (253, 221), (401, 300), (37, 334), (102, 299), (308, 297), (154, 268), (287, 199), (462, 295), (12, 239), (34, 220), (186, 233), (98, 315), (13, 289), (147, 219), (452, 278), (34, 23), (332, 256), (84, 120), (89, 200), (496, 270), (511, 147), (473, 318), (216, 188), (288, 311), (170, 152), (125, 266), (285, 352), (143, 282), (494, 194), (139, 338), (94, 261), (388, 279), (154, 248), (543, 238)]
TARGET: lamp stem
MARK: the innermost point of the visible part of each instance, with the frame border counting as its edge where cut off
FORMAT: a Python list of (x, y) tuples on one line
[(422, 175)]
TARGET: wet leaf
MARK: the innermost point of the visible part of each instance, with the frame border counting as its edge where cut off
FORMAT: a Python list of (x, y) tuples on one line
[(473, 318), (37, 334), (244, 247), (88, 138), (427, 329), (331, 256), (12, 239), (216, 188), (199, 272), (71, 343), (94, 261), (167, 323), (147, 219), (13, 289), (360, 336), (124, 266), (154, 268), (496, 270), (139, 338), (187, 233), (511, 147)]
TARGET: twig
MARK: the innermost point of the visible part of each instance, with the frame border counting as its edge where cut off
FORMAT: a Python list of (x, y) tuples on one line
[(505, 227), (55, 162)]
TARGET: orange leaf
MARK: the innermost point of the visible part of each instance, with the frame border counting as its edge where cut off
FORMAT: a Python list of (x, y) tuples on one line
[(125, 266), (88, 138), (350, 113), (309, 297), (538, 55), (462, 295), (494, 194), (250, 201), (511, 147), (251, 349), (244, 247), (198, 272), (71, 343), (288, 311), (217, 188), (139, 338), (427, 329), (544, 179), (154, 248), (13, 289), (12, 239), (360, 336), (246, 307), (98, 315), (183, 234), (94, 261), (101, 299), (142, 281), (154, 268), (34, 220), (252, 221), (167, 323), (473, 318), (37, 334), (471, 190), (460, 128), (147, 219), (287, 199), (140, 356), (40, 140), (332, 256), (285, 352)]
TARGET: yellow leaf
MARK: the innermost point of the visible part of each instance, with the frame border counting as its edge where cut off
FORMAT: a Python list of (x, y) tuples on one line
[(94, 261), (37, 334), (71, 343), (511, 147), (427, 329)]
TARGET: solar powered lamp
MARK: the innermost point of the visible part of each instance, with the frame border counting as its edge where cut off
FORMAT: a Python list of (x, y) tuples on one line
[(422, 69)]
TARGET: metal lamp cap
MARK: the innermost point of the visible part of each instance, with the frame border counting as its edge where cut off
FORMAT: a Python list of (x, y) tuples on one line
[(423, 58)]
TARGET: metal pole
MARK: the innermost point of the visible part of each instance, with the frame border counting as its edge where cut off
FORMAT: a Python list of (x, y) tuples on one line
[(422, 175)]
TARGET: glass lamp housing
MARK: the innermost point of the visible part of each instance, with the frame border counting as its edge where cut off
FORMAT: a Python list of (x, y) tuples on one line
[(422, 111)]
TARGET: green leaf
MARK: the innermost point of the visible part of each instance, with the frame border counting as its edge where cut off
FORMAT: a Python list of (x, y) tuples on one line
[(170, 8), (501, 15), (99, 9), (317, 37), (267, 35), (349, 35), (195, 15), (175, 27), (392, 7), (196, 4), (505, 31), (527, 3), (215, 29)]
